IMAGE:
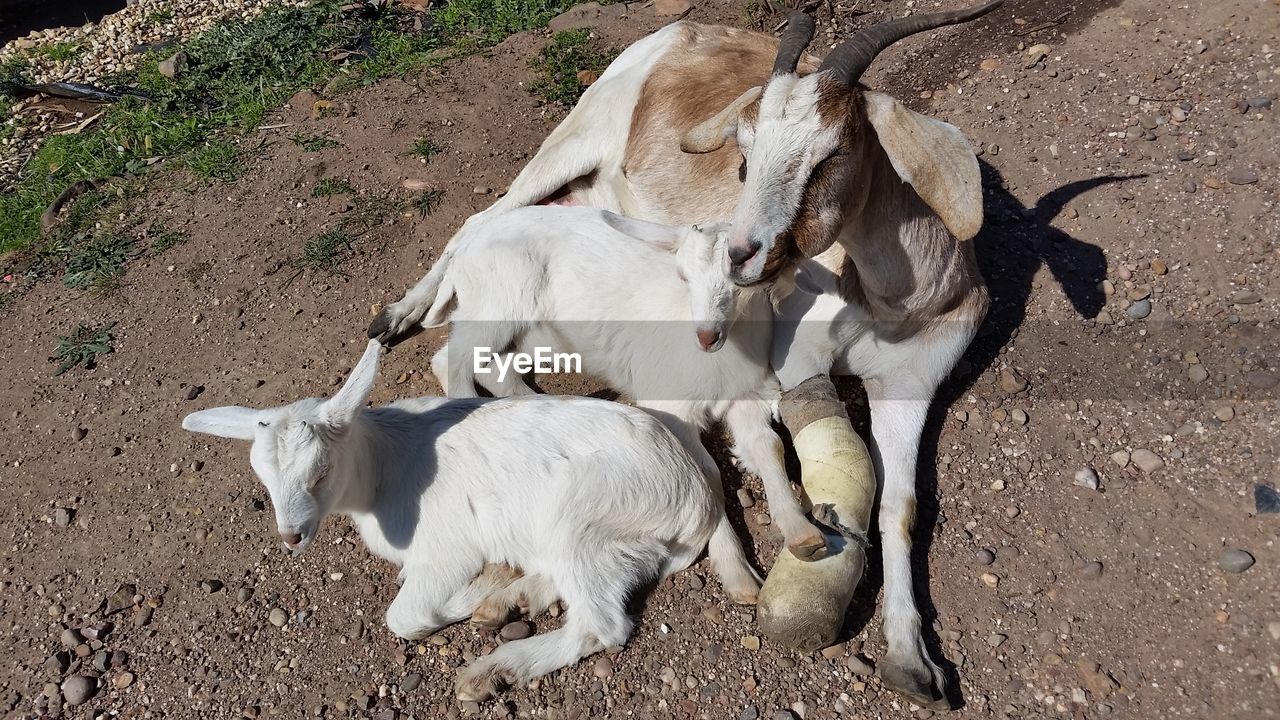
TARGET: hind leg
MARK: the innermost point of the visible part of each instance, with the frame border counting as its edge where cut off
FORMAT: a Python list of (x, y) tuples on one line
[(760, 452), (472, 351), (595, 584)]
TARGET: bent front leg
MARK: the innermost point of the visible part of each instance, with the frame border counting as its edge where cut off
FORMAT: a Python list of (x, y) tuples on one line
[(435, 594), (803, 604)]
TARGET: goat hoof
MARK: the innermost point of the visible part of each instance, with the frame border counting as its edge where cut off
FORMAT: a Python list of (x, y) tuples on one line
[(744, 597), (380, 329), (922, 683), (477, 683), (802, 604), (809, 547)]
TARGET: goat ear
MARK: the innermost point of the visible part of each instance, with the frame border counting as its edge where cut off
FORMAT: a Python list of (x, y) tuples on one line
[(935, 158), (712, 133), (339, 410), (663, 237), (233, 421)]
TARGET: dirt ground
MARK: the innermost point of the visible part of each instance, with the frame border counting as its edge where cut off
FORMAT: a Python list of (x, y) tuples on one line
[(1131, 250)]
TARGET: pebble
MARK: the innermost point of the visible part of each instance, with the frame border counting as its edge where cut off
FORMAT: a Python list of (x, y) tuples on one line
[(745, 499), (1011, 382), (1273, 627), (411, 682), (1260, 102), (1019, 416), (1120, 458), (1197, 374), (1225, 413), (985, 557), (1139, 309), (1245, 297), (211, 586), (1092, 569), (1086, 478), (990, 580), (1012, 511), (749, 713), (79, 434), (751, 642), (1147, 461), (78, 688), (602, 667), (122, 681), (481, 190), (1235, 560), (517, 630), (857, 665), (1266, 500), (1242, 176), (997, 639), (278, 617), (70, 638), (62, 517), (193, 391), (244, 594)]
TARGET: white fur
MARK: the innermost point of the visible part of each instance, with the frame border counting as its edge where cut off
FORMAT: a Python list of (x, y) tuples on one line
[(591, 499), (626, 295)]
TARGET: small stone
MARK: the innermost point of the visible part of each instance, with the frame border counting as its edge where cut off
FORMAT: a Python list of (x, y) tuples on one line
[(79, 433), (517, 630), (481, 190), (211, 586), (1120, 458), (1273, 628), (587, 77), (70, 638), (990, 580), (1012, 511), (1235, 560), (193, 392), (1225, 413), (143, 617), (1266, 500), (985, 557), (173, 65), (62, 517), (1197, 374), (1019, 416), (78, 688), (1037, 52), (745, 499), (749, 713), (1159, 268), (1242, 176), (244, 594), (831, 652), (356, 630), (1260, 102), (1092, 569), (996, 639), (278, 617), (1086, 478), (1011, 382), (858, 665), (411, 682), (1139, 309), (1179, 115), (1245, 297), (750, 642), (122, 680), (990, 64), (602, 667), (1147, 461)]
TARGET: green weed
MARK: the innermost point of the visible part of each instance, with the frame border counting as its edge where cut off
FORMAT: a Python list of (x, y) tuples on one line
[(558, 66), (331, 186), (425, 148), (324, 251), (313, 143), (97, 263), (83, 347), (158, 17), (162, 238), (215, 159), (427, 201), (475, 24), (60, 52)]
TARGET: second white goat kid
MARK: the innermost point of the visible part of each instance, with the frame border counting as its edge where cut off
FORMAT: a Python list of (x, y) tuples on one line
[(628, 297), (592, 498)]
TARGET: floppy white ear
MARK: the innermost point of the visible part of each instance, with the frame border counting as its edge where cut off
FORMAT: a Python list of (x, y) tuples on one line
[(341, 409), (663, 237), (233, 421), (935, 158)]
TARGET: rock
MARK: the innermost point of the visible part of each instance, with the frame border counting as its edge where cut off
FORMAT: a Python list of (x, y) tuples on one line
[(1245, 297), (749, 713), (750, 642), (173, 65), (990, 580), (211, 586), (1235, 560), (79, 433), (122, 681), (985, 557), (997, 639), (1179, 115), (1260, 102), (357, 630), (1037, 52), (1224, 413), (411, 682), (62, 516), (517, 630), (244, 594), (70, 638), (58, 662), (481, 190), (1011, 382), (1242, 176), (1147, 461), (1265, 499), (1197, 374), (602, 667), (859, 665), (586, 15), (1120, 458), (1139, 309), (745, 498), (78, 688), (672, 7), (1019, 416), (278, 617), (1092, 569), (193, 392), (143, 616), (587, 77), (1086, 477), (97, 631), (990, 64)]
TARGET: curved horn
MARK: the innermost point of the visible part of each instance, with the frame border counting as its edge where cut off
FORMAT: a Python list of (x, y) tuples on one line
[(852, 58), (795, 39), (709, 134)]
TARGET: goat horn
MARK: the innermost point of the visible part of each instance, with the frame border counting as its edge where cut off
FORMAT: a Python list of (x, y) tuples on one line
[(795, 39), (852, 58), (709, 135)]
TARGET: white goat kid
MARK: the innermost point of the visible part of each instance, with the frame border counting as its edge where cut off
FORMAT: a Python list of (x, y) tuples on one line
[(591, 499), (628, 297)]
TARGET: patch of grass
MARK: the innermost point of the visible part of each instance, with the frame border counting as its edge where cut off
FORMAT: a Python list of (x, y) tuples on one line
[(559, 64), (427, 201), (313, 143), (60, 52), (475, 24), (162, 238), (331, 186), (98, 262), (215, 159), (324, 251), (425, 148), (158, 17), (83, 347)]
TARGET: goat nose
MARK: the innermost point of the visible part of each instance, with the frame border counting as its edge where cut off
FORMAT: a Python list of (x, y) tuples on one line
[(707, 338), (291, 539), (740, 254)]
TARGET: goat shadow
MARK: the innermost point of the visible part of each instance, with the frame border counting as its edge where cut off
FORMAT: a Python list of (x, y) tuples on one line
[(1015, 242)]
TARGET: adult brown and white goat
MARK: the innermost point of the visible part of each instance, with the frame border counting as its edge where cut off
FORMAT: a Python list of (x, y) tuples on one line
[(810, 159)]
